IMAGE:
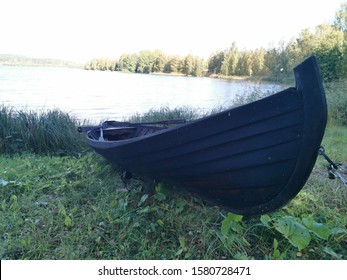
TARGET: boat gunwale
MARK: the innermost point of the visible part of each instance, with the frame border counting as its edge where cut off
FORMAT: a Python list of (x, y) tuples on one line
[(104, 144)]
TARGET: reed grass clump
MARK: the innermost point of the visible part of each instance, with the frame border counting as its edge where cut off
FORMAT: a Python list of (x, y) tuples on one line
[(49, 132), (337, 102), (167, 113)]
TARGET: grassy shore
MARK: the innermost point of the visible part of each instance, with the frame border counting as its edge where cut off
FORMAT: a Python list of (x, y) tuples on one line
[(47, 132), (77, 207), (62, 203)]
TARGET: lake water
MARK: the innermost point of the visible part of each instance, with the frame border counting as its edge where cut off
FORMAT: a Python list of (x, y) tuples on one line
[(97, 96)]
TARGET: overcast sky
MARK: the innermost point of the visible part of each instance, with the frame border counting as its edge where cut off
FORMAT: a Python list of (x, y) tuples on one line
[(80, 30)]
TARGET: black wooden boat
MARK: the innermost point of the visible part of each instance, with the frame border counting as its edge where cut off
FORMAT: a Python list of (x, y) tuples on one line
[(250, 160)]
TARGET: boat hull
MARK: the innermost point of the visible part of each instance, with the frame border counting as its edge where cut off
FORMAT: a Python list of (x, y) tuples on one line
[(250, 160)]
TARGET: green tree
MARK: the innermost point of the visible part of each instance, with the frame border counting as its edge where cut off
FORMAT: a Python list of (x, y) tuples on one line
[(214, 63), (173, 64), (330, 51), (328, 44), (244, 64), (145, 62), (279, 61), (159, 62), (340, 21), (199, 66), (102, 64), (258, 62), (341, 24), (127, 63), (230, 62), (187, 65)]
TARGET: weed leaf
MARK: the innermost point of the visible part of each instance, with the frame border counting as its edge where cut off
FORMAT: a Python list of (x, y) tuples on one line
[(226, 225), (297, 234), (61, 208), (332, 253), (182, 241), (235, 217), (321, 230), (266, 220), (144, 210), (160, 196), (231, 222), (143, 199), (160, 222), (276, 253), (338, 230), (180, 204), (68, 221)]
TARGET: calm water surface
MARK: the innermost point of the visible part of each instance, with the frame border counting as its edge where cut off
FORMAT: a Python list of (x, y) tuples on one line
[(99, 96)]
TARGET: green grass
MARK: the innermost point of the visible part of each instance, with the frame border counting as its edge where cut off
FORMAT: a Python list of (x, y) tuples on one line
[(167, 113), (77, 207)]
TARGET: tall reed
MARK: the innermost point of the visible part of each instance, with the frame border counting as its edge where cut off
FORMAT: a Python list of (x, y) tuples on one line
[(167, 113), (49, 132)]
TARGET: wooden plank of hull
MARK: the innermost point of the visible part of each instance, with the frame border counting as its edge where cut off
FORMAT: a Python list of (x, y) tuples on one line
[(251, 159), (228, 127), (215, 147)]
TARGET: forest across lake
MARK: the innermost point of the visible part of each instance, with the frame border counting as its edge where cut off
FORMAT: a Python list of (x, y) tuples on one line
[(328, 42)]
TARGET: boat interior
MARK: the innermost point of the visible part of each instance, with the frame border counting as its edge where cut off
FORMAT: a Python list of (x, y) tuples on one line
[(122, 133)]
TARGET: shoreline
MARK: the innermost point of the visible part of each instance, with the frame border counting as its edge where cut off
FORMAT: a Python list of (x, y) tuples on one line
[(281, 80)]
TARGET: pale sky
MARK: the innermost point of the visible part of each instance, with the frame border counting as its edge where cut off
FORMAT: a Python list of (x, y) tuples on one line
[(83, 29)]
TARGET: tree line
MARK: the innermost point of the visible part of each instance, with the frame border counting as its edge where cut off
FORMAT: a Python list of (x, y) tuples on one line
[(147, 61), (328, 42)]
